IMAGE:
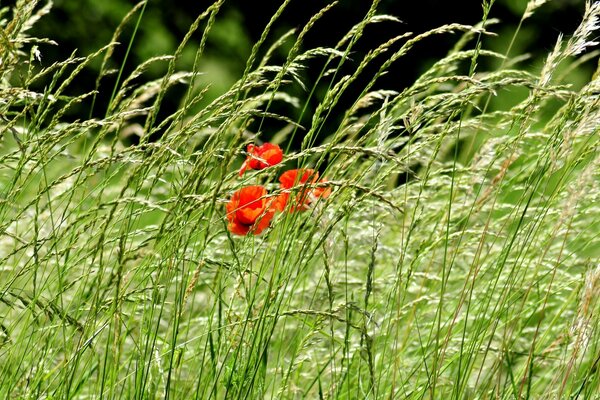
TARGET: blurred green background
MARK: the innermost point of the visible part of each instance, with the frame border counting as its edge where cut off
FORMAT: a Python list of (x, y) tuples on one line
[(86, 25)]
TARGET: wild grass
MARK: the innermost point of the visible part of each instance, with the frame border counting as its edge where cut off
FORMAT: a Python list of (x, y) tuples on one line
[(457, 257)]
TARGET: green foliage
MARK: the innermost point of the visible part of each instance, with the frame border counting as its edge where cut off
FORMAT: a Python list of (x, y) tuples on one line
[(457, 257)]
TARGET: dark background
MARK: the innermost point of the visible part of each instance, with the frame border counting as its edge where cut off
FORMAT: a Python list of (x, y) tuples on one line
[(86, 25)]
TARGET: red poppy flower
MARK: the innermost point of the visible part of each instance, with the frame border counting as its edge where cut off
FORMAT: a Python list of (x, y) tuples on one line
[(262, 156), (297, 177), (249, 211)]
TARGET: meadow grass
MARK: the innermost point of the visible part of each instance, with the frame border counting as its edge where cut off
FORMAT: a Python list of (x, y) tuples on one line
[(456, 258)]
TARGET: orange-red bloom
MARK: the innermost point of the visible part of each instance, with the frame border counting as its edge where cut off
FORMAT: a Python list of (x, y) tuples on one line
[(249, 211), (262, 156), (306, 195)]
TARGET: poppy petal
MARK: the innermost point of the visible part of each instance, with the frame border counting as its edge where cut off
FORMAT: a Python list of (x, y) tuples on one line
[(244, 167), (237, 228), (323, 191), (260, 157), (249, 211), (263, 222)]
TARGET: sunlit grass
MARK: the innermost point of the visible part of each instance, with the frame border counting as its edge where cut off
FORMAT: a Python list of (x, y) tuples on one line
[(457, 256)]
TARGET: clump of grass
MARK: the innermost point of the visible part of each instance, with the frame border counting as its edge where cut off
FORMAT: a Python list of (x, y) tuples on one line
[(457, 257)]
